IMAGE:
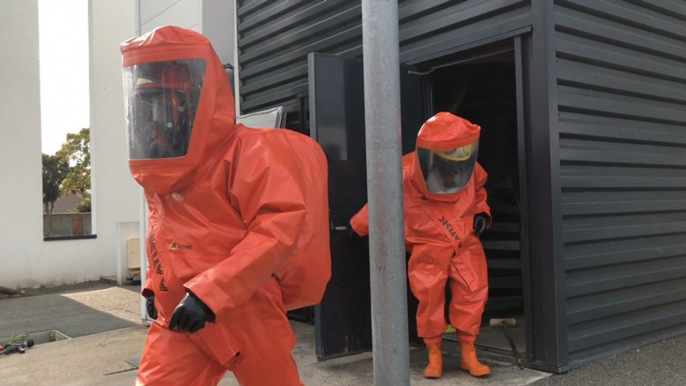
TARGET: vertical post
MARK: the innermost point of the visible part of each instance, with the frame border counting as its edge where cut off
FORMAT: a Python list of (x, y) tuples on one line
[(546, 243), (384, 180)]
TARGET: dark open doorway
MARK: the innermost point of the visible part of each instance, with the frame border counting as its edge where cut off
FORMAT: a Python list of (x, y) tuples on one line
[(484, 91), (484, 87)]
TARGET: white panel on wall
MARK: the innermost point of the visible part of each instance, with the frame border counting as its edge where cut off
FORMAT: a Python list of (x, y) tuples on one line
[(218, 25), (149, 9), (183, 13)]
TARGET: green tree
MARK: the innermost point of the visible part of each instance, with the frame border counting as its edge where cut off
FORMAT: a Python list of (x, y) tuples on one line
[(76, 152), (84, 206), (55, 169)]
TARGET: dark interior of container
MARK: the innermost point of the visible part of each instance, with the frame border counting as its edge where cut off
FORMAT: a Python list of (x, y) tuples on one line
[(484, 92)]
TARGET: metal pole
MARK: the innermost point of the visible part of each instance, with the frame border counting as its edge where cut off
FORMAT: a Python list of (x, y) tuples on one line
[(384, 181)]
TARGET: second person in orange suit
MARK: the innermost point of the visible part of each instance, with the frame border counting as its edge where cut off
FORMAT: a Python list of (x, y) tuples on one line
[(445, 212)]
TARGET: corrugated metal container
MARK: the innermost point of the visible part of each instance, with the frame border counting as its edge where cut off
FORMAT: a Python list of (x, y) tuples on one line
[(602, 92), (275, 37), (621, 92)]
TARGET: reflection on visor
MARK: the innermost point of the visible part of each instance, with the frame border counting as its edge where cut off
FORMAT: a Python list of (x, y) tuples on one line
[(447, 171), (456, 154), (162, 102)]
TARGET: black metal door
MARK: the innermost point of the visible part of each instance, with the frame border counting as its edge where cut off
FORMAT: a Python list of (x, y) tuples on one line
[(343, 318)]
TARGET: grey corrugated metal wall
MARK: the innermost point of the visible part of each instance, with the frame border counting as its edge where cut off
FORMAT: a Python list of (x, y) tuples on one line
[(621, 73), (621, 70), (274, 37)]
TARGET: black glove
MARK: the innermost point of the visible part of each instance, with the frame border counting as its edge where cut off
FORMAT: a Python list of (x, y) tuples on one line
[(150, 305), (190, 315), (480, 223)]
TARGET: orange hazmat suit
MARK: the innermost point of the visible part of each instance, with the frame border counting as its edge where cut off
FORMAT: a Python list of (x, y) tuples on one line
[(439, 232), (237, 217)]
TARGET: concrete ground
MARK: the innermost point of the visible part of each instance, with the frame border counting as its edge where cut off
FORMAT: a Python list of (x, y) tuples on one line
[(101, 360), (661, 364), (104, 324)]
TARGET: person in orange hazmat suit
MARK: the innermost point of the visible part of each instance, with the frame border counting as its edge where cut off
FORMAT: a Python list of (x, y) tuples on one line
[(238, 220), (445, 212)]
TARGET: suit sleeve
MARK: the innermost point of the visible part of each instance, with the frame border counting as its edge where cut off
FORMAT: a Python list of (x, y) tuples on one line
[(267, 190), (480, 197), (147, 286), (360, 221)]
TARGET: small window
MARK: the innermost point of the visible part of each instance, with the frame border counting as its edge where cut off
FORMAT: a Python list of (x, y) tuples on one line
[(65, 118)]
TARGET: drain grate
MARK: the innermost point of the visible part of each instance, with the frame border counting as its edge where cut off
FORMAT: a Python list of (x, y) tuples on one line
[(130, 364)]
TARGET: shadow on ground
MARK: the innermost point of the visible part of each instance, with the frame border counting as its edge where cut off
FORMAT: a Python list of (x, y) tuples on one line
[(76, 311)]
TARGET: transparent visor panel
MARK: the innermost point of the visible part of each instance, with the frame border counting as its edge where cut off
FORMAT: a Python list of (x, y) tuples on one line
[(161, 105), (448, 170)]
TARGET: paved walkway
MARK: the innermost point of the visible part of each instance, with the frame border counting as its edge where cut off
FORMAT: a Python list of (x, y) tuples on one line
[(104, 324), (101, 360), (662, 364)]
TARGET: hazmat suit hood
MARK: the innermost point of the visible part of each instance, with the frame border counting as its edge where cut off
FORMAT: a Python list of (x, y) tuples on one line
[(447, 150), (189, 85)]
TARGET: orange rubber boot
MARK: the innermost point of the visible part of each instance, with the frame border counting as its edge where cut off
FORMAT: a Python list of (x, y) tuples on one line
[(434, 369), (468, 361)]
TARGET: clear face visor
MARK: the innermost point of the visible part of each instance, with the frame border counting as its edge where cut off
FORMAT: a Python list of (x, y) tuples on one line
[(161, 104), (448, 170)]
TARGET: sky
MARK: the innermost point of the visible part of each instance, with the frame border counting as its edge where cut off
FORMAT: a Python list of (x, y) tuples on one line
[(64, 63)]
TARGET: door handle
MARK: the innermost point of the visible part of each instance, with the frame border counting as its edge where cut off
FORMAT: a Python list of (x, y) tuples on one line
[(340, 228)]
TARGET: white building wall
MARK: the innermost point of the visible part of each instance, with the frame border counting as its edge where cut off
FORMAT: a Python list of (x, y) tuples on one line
[(25, 259), (218, 25), (156, 13), (116, 193), (21, 234), (212, 18)]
